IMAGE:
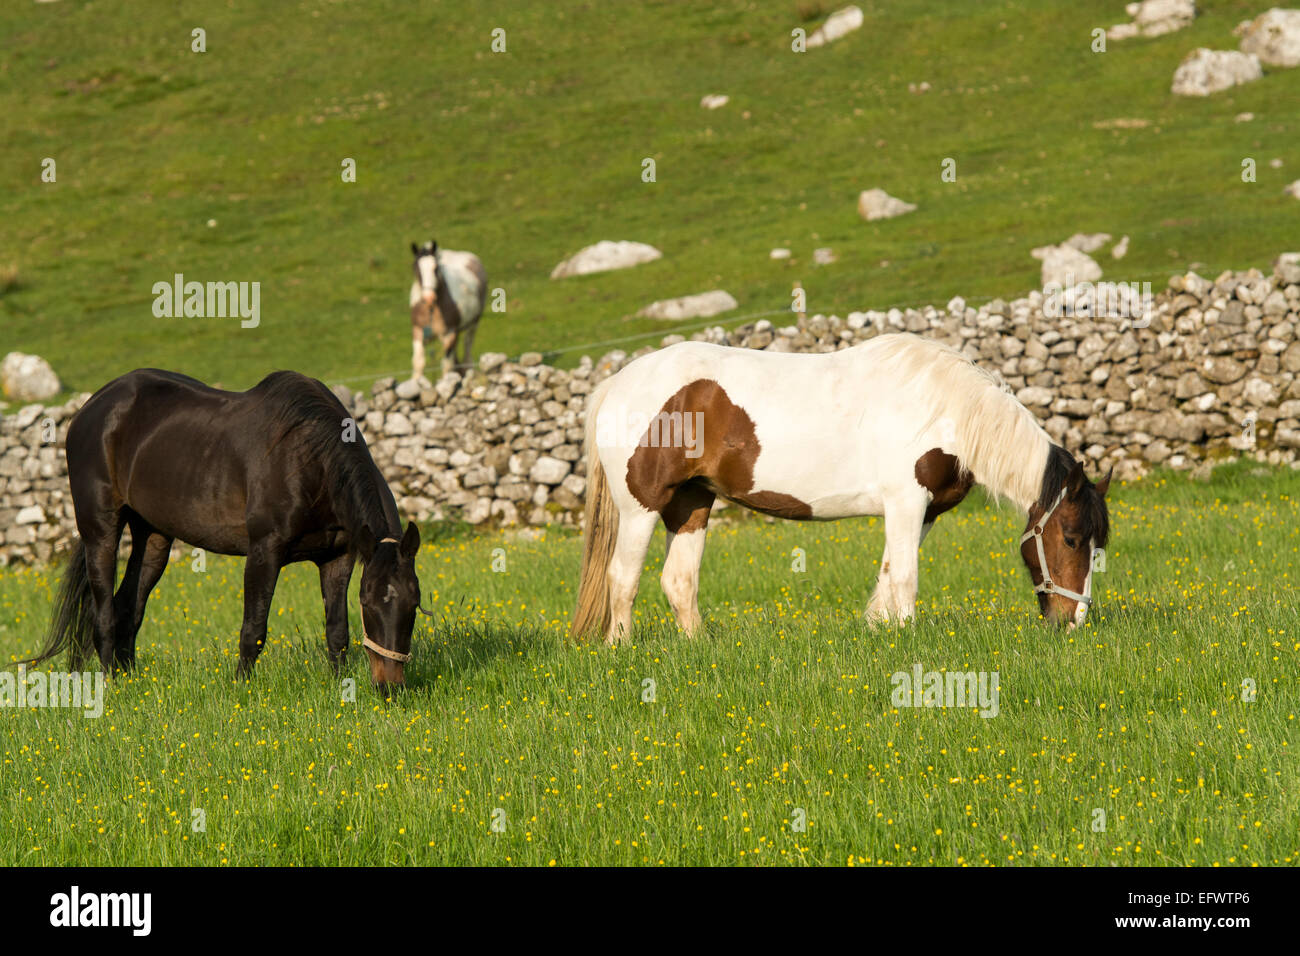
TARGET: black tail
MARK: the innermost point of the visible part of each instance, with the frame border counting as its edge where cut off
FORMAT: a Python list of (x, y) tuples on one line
[(73, 625)]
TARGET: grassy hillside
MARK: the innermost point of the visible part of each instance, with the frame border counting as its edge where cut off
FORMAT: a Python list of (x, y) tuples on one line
[(225, 165), (784, 704)]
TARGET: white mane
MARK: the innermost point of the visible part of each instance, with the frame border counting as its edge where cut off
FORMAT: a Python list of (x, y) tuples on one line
[(998, 440)]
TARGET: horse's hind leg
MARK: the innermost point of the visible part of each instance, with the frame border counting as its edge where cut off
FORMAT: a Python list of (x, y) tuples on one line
[(687, 519), (467, 346), (150, 550), (635, 528), (100, 533)]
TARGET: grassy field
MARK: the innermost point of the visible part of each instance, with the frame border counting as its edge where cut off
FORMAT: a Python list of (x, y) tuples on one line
[(225, 165), (783, 707)]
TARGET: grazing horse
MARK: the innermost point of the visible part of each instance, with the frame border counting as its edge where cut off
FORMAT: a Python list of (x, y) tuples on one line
[(900, 426), (277, 473), (447, 299)]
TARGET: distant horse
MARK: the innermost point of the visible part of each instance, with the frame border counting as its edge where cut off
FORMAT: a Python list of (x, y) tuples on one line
[(276, 473), (899, 426), (447, 299)]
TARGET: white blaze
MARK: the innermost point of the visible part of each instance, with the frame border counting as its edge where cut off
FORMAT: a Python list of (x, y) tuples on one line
[(428, 273)]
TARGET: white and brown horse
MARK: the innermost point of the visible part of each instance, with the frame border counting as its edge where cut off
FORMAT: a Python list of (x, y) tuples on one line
[(447, 299), (899, 426)]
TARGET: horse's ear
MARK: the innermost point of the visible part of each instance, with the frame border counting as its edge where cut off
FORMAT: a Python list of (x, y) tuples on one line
[(1103, 486), (415, 250), (365, 543), (1075, 481), (433, 246), (410, 541)]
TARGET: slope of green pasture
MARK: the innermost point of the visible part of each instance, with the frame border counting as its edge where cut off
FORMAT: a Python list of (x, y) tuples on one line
[(225, 165)]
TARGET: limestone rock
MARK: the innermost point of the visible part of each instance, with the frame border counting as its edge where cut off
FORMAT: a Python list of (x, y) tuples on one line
[(1203, 71), (700, 306), (28, 378), (838, 24), (1274, 37), (877, 204), (605, 256), (1153, 18)]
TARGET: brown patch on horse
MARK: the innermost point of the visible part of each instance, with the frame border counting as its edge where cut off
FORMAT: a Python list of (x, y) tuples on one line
[(689, 508), (422, 316), (942, 475), (724, 449)]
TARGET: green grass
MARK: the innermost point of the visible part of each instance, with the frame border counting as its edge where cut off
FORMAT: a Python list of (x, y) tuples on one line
[(784, 705), (526, 156)]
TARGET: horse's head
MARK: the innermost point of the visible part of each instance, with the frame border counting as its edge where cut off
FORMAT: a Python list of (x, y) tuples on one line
[(426, 269), (390, 596), (1065, 525)]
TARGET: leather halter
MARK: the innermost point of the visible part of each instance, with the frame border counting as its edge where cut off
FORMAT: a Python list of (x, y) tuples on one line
[(365, 638), (1047, 586)]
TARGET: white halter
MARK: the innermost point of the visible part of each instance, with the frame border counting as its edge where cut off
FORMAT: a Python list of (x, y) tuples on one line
[(1047, 586)]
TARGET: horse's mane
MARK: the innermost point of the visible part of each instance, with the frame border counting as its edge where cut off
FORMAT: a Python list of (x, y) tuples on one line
[(999, 441), (302, 410), (1094, 518)]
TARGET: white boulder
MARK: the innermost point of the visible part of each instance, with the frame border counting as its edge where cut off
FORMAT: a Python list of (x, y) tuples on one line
[(1153, 18), (878, 204), (838, 24), (28, 378), (699, 306), (605, 256), (1203, 71), (1274, 37), (1065, 266)]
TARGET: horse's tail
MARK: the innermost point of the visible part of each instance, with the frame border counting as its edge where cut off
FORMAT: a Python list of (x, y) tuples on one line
[(600, 536), (73, 624)]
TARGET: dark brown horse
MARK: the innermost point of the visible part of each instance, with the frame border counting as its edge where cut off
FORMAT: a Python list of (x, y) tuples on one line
[(278, 473)]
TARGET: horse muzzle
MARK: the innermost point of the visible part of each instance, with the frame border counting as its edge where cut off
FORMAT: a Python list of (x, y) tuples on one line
[(387, 668), (385, 674)]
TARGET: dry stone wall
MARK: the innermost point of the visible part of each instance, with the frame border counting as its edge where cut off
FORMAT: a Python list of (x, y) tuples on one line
[(1212, 371)]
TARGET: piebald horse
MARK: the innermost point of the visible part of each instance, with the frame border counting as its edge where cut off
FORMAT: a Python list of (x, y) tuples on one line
[(447, 299), (274, 473), (899, 426)]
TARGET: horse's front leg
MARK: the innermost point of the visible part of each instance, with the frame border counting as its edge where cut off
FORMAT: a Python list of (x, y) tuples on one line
[(335, 575), (879, 606), (417, 352), (448, 352), (904, 529), (261, 571)]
